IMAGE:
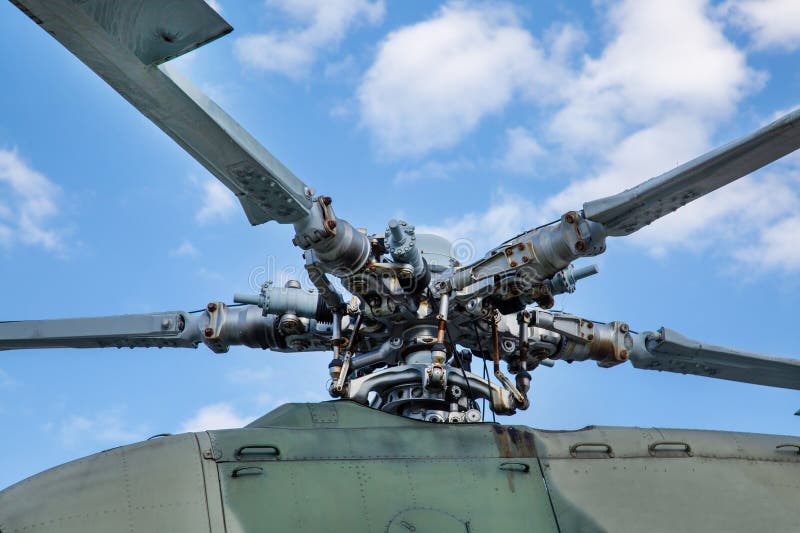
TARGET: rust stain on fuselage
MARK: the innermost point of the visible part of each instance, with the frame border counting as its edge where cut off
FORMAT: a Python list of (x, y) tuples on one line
[(512, 443)]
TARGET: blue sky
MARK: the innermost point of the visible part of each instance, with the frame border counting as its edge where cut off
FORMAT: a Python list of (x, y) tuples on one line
[(472, 119)]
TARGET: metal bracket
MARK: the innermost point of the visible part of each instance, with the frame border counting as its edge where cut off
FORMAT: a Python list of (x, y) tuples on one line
[(212, 334)]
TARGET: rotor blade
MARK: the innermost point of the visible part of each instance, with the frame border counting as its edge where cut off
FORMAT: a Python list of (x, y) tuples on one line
[(124, 41), (631, 210), (171, 329), (219, 327), (670, 351)]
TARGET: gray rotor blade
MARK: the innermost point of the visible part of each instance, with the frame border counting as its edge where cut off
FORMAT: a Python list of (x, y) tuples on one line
[(171, 329), (219, 327), (670, 351), (124, 41), (630, 210)]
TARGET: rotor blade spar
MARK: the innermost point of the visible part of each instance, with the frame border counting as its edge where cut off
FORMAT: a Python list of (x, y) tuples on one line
[(125, 42), (670, 351), (631, 210)]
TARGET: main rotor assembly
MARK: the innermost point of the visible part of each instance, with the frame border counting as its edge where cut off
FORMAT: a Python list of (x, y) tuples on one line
[(415, 318), (410, 318)]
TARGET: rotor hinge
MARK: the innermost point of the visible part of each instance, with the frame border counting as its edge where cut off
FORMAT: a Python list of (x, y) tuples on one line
[(340, 248), (608, 344)]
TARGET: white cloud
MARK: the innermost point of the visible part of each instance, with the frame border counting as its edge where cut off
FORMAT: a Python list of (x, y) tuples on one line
[(771, 23), (773, 250), (473, 234), (341, 110), (268, 402), (31, 204), (345, 70), (641, 155), (565, 42), (215, 416), (434, 171), (210, 275), (322, 24), (214, 5), (107, 427), (666, 57), (185, 249), (218, 202), (658, 108), (250, 375), (651, 111), (522, 152), (433, 82)]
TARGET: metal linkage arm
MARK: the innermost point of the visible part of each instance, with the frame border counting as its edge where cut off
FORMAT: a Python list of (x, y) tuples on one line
[(670, 351)]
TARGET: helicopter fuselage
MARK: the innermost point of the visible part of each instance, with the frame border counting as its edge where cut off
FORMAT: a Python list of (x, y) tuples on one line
[(340, 466)]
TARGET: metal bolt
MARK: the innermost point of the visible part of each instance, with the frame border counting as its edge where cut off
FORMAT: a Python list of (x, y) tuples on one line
[(569, 218), (580, 246), (520, 246), (211, 307), (590, 325), (208, 332), (396, 230), (623, 328), (513, 264), (331, 224), (623, 354), (525, 258), (509, 251), (327, 200)]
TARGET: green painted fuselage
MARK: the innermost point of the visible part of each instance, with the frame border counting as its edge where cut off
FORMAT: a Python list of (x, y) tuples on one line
[(338, 466)]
